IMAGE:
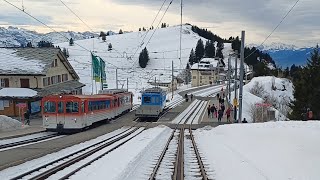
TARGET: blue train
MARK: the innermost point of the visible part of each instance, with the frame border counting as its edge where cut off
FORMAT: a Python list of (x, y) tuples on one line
[(153, 101)]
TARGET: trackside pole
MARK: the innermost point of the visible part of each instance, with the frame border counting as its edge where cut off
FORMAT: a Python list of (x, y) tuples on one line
[(241, 75)]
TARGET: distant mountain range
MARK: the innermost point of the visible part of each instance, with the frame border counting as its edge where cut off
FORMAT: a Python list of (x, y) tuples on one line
[(16, 37), (285, 55)]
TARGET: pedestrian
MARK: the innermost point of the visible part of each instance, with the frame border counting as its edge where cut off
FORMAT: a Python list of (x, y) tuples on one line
[(220, 114), (27, 117), (191, 97), (209, 110), (244, 120), (213, 110), (186, 97), (228, 113), (222, 108), (218, 96)]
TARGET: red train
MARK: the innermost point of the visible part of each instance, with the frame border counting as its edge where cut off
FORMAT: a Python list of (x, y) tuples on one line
[(69, 113)]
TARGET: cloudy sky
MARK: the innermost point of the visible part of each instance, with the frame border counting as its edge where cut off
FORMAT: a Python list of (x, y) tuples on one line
[(223, 17)]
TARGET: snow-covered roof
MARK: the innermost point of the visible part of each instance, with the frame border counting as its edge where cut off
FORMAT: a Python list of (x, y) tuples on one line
[(17, 92), (34, 61)]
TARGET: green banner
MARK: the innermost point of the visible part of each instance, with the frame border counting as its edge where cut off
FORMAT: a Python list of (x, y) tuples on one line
[(96, 69), (103, 70)]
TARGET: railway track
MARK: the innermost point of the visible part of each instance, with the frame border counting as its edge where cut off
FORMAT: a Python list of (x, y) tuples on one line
[(180, 153), (81, 158), (29, 139)]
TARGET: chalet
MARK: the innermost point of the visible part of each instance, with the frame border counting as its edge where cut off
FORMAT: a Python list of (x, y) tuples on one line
[(207, 71), (42, 71)]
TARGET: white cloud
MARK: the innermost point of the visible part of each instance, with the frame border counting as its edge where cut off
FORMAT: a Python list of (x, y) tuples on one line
[(229, 17)]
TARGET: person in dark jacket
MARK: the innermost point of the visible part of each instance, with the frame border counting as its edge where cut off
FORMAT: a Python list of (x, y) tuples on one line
[(213, 110), (186, 97), (220, 114), (244, 120), (27, 117), (209, 110), (191, 97)]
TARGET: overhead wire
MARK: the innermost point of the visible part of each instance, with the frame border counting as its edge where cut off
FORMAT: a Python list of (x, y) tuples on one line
[(140, 44), (156, 28), (283, 18)]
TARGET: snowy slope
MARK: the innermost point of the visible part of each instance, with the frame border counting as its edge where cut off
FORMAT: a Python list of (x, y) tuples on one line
[(273, 150), (282, 98), (163, 49), (15, 37)]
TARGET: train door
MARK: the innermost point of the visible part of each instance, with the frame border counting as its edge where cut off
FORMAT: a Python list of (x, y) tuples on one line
[(61, 112)]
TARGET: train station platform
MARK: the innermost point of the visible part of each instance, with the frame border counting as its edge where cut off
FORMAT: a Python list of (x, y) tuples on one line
[(206, 119), (35, 127)]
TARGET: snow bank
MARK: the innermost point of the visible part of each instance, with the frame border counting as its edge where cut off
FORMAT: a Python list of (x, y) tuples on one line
[(280, 96), (272, 150), (7, 123), (17, 92)]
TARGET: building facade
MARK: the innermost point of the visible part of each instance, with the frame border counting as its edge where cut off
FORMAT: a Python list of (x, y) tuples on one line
[(44, 70)]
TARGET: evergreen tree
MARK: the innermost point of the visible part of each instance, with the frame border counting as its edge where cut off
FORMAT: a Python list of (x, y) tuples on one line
[(144, 29), (210, 50), (120, 31), (199, 50), (71, 42), (102, 34), (109, 47), (220, 47), (108, 33), (236, 44), (104, 38), (144, 58), (192, 57), (307, 87), (139, 29)]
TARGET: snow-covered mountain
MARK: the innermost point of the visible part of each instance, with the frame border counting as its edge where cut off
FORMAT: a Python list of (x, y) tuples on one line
[(15, 37), (284, 54)]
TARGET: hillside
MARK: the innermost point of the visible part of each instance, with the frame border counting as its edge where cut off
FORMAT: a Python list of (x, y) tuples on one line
[(163, 49), (15, 37)]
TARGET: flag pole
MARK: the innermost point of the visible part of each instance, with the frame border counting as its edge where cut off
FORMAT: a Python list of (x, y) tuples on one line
[(92, 79)]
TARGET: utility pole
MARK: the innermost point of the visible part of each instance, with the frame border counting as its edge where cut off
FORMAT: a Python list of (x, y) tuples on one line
[(127, 84), (180, 32), (172, 83), (198, 82), (229, 78), (241, 75), (116, 78), (235, 88)]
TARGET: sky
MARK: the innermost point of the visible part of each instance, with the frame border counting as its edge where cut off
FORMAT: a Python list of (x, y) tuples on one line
[(223, 17)]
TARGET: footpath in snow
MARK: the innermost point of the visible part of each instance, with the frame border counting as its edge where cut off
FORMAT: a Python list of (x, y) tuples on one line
[(272, 150)]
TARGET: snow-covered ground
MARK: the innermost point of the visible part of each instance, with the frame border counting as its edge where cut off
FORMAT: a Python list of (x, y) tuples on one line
[(7, 123), (163, 49), (281, 98), (272, 150)]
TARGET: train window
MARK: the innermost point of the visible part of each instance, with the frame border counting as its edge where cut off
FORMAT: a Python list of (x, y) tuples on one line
[(50, 107), (108, 104), (153, 99), (82, 106), (60, 107), (72, 107), (146, 99), (157, 99)]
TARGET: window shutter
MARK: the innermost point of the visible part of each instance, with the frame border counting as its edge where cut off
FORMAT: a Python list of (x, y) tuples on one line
[(6, 82)]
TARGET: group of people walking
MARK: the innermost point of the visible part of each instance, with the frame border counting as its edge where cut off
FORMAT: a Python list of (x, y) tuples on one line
[(220, 110)]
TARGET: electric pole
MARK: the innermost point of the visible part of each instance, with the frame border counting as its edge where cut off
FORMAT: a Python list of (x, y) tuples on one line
[(127, 84), (172, 83), (116, 78), (235, 100), (229, 78), (241, 75), (180, 32)]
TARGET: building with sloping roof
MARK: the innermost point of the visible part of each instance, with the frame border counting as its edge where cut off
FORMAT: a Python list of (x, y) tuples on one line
[(44, 70), (207, 71)]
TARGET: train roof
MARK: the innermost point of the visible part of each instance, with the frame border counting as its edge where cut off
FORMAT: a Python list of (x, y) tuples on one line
[(96, 96), (113, 91), (153, 90)]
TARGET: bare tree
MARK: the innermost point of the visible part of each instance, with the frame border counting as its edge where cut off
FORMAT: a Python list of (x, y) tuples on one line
[(257, 90)]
